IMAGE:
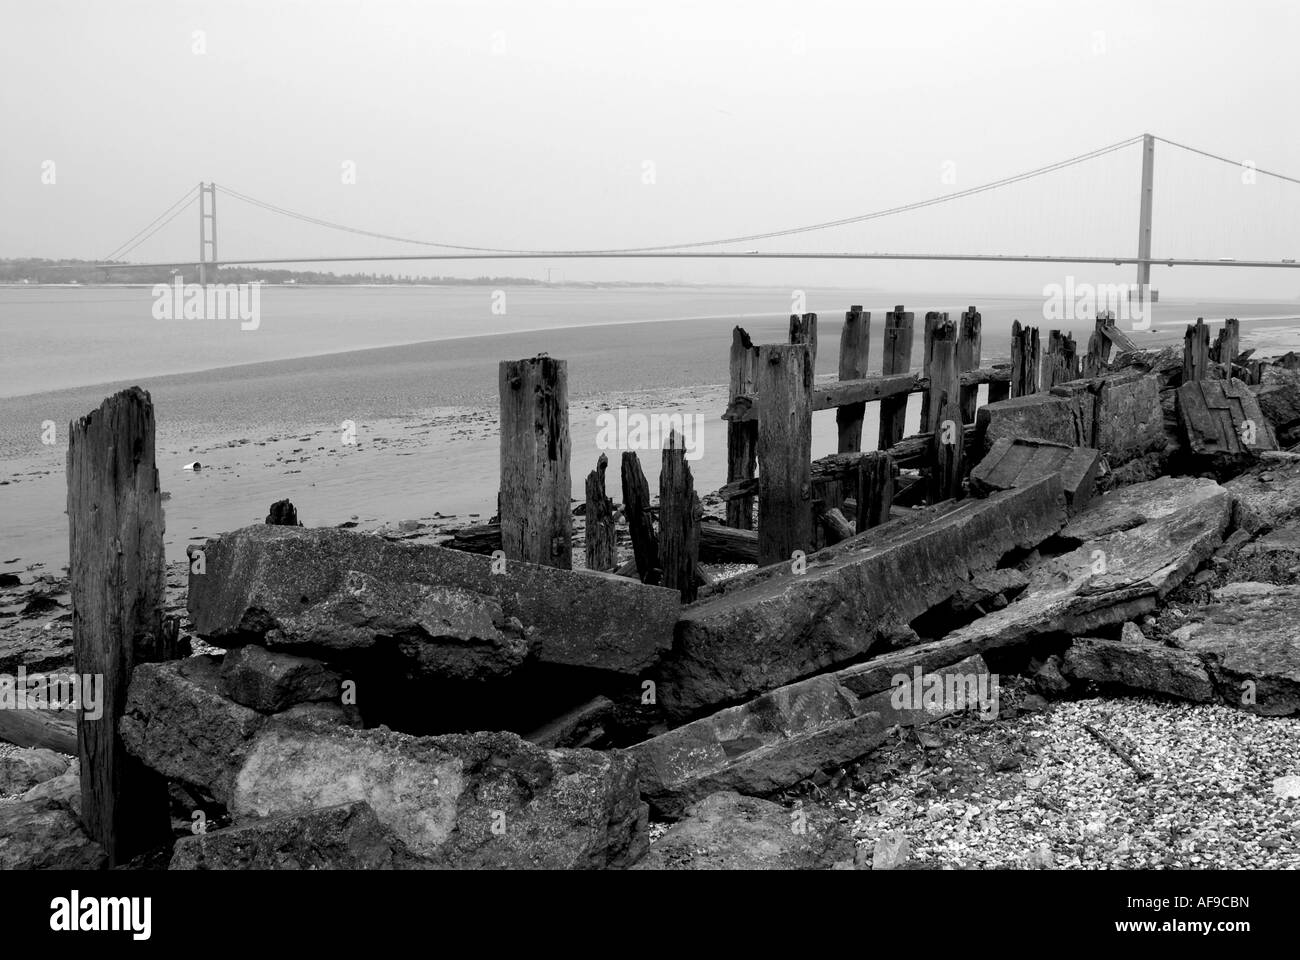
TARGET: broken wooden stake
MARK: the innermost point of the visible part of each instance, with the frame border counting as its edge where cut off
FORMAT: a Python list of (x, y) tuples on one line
[(742, 437), (640, 524), (855, 349), (969, 352), (1196, 351), (784, 451), (679, 521), (896, 359), (1025, 360), (533, 502), (875, 491), (602, 548)]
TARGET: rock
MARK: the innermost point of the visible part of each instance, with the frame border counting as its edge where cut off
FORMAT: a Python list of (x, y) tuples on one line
[(1011, 463), (583, 726), (1132, 633), (1247, 636), (1034, 703), (347, 836), (44, 834), (986, 589), (1042, 858), (9, 580), (329, 589), (1147, 666), (1279, 398), (1037, 416), (1288, 788), (727, 831), (770, 627), (270, 682), (1130, 423), (1047, 677), (24, 769), (1263, 504), (66, 788), (1132, 506), (283, 514), (1285, 539), (891, 852), (788, 735)]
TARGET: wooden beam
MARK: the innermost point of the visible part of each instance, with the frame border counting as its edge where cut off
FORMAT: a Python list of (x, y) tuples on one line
[(875, 490), (784, 451), (117, 576), (719, 544), (536, 523)]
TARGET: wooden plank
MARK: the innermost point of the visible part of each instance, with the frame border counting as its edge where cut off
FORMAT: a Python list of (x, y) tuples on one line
[(640, 525), (803, 329), (969, 346), (601, 546), (1123, 343), (875, 494), (720, 544), (784, 451), (35, 726), (742, 436), (830, 396), (536, 523), (855, 349), (896, 359), (116, 572), (679, 521)]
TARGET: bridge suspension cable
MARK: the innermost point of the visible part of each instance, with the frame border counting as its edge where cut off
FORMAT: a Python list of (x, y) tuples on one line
[(1234, 163), (175, 209)]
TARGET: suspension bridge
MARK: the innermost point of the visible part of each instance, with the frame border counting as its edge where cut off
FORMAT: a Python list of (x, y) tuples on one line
[(1075, 200)]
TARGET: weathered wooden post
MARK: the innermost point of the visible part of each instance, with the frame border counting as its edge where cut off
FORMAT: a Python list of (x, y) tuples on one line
[(784, 451), (944, 393), (533, 503), (1025, 360), (640, 524), (804, 330), (116, 572), (896, 358), (1062, 359), (927, 354), (1227, 344), (1196, 351), (855, 348), (679, 521), (969, 354), (742, 438), (602, 546), (875, 490)]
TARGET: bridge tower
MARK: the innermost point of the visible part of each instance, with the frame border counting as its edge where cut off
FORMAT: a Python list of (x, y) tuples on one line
[(1144, 217), (207, 229)]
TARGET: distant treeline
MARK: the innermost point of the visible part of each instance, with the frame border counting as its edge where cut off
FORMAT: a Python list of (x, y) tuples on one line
[(84, 271)]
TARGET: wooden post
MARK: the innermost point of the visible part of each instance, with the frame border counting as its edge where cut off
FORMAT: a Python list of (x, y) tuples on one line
[(931, 318), (742, 438), (1025, 360), (804, 330), (944, 393), (602, 547), (116, 571), (679, 521), (969, 354), (1062, 359), (855, 348), (536, 524), (1196, 351), (784, 451), (640, 525), (1227, 344), (896, 358), (875, 490)]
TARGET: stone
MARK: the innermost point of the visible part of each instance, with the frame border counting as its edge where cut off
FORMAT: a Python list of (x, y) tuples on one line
[(986, 588), (770, 627), (44, 834), (782, 737), (1130, 422), (728, 831), (1047, 677), (298, 589), (283, 514), (1279, 398), (1248, 639), (1012, 463), (1149, 666), (1288, 788), (65, 788), (891, 851), (1036, 416), (24, 769), (583, 726), (1134, 505), (346, 836), (1284, 539), (1266, 496), (270, 682), (1132, 633)]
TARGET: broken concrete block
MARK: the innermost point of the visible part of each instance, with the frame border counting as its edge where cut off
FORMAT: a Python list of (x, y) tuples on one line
[(788, 735), (1130, 421), (770, 627), (1222, 422), (1140, 503), (1139, 666), (1266, 496), (988, 588), (1279, 399), (344, 837), (270, 682), (308, 589), (1037, 416), (1247, 636), (1012, 463), (727, 831)]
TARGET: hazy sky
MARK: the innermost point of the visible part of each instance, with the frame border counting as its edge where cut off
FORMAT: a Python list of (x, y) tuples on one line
[(580, 125)]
